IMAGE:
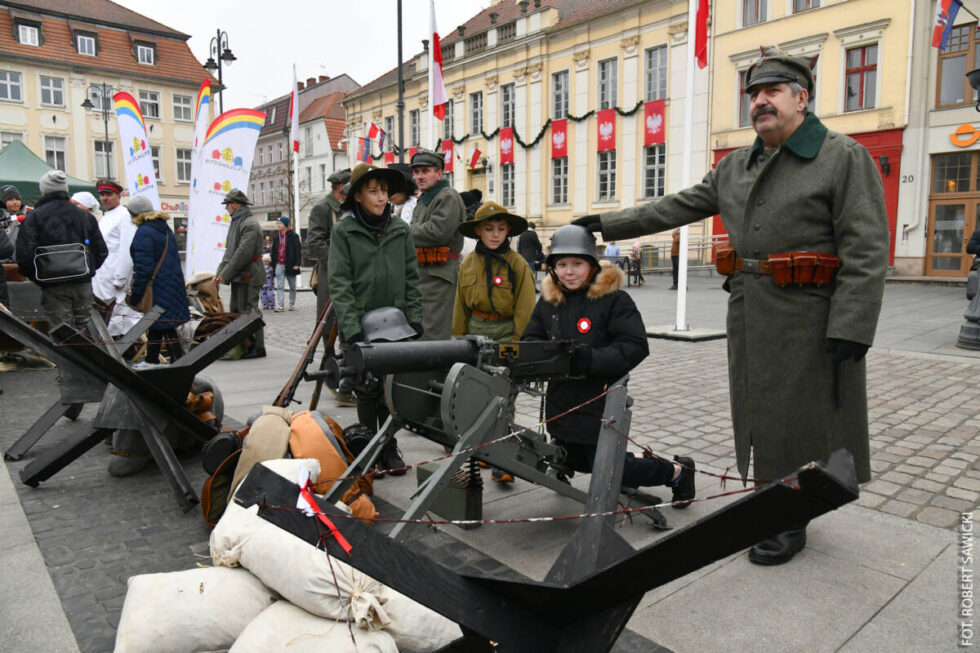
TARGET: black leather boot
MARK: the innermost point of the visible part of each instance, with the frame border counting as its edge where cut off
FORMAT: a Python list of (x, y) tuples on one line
[(780, 548)]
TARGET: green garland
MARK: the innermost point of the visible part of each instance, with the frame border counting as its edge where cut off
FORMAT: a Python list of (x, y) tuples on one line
[(537, 139)]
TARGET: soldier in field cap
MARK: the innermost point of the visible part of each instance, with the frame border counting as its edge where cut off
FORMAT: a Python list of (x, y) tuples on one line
[(437, 243), (808, 250), (241, 266)]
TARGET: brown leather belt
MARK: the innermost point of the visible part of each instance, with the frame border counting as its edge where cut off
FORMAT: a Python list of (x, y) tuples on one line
[(752, 266), (490, 316), (786, 268)]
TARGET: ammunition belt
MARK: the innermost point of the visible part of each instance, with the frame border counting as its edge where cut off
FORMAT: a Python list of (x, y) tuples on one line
[(435, 255), (798, 268), (490, 316)]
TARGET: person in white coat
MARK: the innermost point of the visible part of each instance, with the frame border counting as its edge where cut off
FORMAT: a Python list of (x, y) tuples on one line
[(111, 280)]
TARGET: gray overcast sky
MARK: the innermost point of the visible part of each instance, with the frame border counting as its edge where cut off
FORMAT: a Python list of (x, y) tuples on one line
[(322, 37)]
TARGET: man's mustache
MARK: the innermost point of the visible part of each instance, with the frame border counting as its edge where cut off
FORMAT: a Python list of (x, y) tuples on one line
[(764, 110)]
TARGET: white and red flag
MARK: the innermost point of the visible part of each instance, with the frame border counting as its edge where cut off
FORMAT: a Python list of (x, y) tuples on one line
[(373, 131), (653, 123), (439, 99), (606, 122), (294, 114), (506, 145), (475, 158), (559, 139), (447, 154)]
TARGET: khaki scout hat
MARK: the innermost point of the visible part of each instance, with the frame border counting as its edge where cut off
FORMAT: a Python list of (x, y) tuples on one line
[(340, 177), (775, 66), (427, 158), (237, 196), (492, 210), (364, 172)]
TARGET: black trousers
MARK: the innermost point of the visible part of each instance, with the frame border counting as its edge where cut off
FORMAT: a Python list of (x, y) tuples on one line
[(157, 340), (674, 262), (637, 472)]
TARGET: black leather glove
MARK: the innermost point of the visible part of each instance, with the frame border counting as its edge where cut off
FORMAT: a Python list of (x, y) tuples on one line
[(418, 329), (590, 222), (582, 360), (843, 350)]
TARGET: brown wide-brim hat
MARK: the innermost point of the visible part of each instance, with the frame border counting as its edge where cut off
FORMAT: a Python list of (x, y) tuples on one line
[(492, 210), (365, 172)]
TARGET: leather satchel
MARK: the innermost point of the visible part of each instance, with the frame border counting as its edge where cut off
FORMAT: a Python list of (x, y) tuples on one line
[(54, 263), (146, 302)]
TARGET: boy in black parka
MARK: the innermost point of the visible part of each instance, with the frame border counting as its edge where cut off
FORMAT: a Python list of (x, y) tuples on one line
[(591, 307)]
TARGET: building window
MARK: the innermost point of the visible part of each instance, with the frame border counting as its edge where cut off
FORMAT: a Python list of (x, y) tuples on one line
[(861, 76), (183, 108), (559, 95), (307, 141), (389, 133), (308, 180), (507, 109), (506, 32), (606, 190), (28, 35), (261, 192), (656, 65), (280, 151), (744, 119), (155, 155), (323, 176), (655, 171), (607, 84), (963, 47), (85, 44), (803, 5), (753, 11), (54, 152), (183, 158), (6, 138), (150, 104), (261, 158), (447, 123), (475, 43), (413, 128), (145, 54), (10, 88), (268, 153), (52, 91), (103, 171), (476, 113), (559, 181), (272, 115), (507, 184)]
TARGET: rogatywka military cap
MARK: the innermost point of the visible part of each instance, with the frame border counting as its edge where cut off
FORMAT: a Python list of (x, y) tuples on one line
[(426, 158), (339, 177), (775, 66)]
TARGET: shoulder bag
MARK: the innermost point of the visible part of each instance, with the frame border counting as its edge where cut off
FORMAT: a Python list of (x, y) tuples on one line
[(146, 303), (66, 262)]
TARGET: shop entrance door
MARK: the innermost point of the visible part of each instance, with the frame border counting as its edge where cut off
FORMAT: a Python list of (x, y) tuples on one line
[(951, 223)]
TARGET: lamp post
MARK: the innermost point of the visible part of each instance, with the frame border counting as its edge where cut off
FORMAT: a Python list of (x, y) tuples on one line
[(219, 51), (103, 94)]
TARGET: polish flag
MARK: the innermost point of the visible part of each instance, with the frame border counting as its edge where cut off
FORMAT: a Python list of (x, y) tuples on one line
[(653, 123), (506, 137), (439, 99), (373, 131), (447, 154), (559, 139), (606, 123), (701, 34), (475, 158), (294, 114)]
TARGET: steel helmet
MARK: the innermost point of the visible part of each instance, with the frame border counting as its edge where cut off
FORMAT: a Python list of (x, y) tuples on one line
[(387, 324), (572, 240)]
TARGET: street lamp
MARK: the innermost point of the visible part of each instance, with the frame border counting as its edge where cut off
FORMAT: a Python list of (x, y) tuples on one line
[(219, 51), (102, 93)]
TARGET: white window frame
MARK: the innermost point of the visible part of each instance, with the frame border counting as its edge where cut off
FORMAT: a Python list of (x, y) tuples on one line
[(447, 123), (656, 76), (607, 90), (280, 151), (508, 105), (323, 176), (476, 113), (792, 10), (98, 148), (53, 87), (50, 147), (85, 44), (145, 54), (507, 184), (183, 104), (389, 134), (261, 158), (262, 192), (762, 6), (307, 141), (659, 169), (606, 168), (182, 162), (146, 102), (9, 85), (7, 137), (560, 93), (157, 162), (29, 35), (559, 181), (272, 114), (857, 36), (414, 137)]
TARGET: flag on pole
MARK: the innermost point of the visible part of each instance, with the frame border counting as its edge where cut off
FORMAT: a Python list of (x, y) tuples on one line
[(294, 114), (475, 158), (439, 99), (447, 155), (363, 149), (701, 34), (373, 130), (944, 22), (137, 156), (381, 140)]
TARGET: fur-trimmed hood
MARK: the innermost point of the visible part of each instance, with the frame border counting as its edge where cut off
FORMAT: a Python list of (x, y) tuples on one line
[(608, 279), (149, 215)]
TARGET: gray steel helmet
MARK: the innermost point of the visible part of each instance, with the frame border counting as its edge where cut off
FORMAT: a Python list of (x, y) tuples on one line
[(387, 324), (572, 240)]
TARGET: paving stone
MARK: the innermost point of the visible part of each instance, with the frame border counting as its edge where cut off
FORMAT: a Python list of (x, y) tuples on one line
[(959, 505), (918, 497), (897, 477), (927, 485), (869, 499), (966, 495), (940, 517), (967, 484), (899, 508), (882, 487)]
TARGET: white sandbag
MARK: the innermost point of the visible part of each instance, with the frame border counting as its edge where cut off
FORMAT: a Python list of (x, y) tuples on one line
[(416, 628), (286, 628), (187, 611)]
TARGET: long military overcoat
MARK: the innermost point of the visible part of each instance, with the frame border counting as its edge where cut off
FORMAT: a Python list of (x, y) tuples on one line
[(819, 192), (434, 224)]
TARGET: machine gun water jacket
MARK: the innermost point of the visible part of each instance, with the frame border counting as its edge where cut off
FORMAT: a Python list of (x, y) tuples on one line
[(819, 192)]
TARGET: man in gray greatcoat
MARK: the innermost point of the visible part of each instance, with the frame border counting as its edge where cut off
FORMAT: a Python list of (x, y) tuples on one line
[(437, 242), (241, 266), (795, 350), (322, 218)]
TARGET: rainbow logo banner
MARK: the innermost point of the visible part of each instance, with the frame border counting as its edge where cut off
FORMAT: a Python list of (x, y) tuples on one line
[(202, 118), (141, 179), (224, 163)]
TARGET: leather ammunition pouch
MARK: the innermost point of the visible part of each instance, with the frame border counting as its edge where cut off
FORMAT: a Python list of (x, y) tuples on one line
[(724, 258)]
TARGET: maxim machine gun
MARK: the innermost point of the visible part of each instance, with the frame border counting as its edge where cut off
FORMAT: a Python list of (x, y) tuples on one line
[(460, 393)]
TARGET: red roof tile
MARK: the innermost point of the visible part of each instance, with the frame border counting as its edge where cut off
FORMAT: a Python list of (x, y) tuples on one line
[(103, 12)]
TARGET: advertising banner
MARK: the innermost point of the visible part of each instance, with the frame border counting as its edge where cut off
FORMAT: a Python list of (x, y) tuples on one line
[(195, 216), (140, 177)]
